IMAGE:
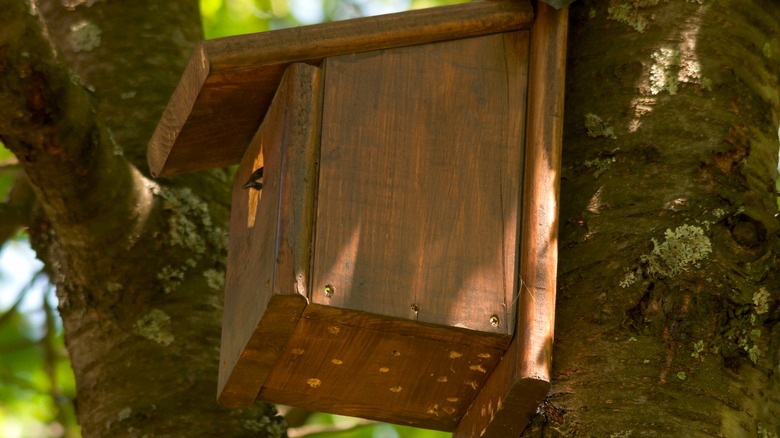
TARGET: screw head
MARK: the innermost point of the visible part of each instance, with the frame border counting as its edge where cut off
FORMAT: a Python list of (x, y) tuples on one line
[(494, 320)]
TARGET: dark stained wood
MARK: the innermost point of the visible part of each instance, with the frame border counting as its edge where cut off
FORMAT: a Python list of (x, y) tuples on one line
[(420, 179), (358, 364), (506, 403), (405, 327), (228, 84), (270, 238), (539, 254), (521, 380)]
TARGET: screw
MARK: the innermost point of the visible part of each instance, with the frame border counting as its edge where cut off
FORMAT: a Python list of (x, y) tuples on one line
[(494, 320), (415, 308)]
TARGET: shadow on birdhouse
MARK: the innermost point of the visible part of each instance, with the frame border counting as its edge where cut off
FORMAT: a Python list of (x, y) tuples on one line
[(395, 257)]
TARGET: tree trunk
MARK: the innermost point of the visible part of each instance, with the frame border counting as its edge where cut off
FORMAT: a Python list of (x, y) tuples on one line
[(138, 264), (668, 311), (667, 317)]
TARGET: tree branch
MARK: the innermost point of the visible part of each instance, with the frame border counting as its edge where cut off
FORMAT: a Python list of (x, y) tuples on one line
[(47, 119)]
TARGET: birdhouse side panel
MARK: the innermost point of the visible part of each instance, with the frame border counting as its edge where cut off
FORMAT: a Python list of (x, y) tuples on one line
[(420, 179), (270, 237)]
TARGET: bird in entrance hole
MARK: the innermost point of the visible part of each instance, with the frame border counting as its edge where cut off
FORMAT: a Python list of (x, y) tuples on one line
[(255, 180)]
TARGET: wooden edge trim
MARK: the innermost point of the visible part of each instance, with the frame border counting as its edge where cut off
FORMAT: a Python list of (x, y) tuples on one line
[(300, 159), (178, 110), (522, 379), (265, 346), (539, 254)]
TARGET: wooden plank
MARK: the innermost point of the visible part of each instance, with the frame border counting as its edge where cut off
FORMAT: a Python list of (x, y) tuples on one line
[(521, 380), (270, 238), (358, 364), (229, 82), (420, 175)]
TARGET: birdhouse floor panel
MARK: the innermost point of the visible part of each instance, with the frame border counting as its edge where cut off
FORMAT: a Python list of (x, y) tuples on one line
[(386, 369)]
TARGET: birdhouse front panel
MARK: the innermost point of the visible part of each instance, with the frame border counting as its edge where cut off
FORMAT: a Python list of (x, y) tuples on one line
[(420, 180)]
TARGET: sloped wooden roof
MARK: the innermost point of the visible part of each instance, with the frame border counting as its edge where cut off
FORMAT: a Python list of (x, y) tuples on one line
[(229, 83)]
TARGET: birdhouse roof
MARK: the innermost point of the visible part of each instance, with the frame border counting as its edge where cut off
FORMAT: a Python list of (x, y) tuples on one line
[(228, 83)]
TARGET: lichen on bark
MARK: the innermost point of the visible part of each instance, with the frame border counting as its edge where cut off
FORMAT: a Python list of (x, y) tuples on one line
[(681, 249)]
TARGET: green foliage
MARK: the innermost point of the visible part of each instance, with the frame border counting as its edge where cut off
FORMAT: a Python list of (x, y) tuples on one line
[(6, 177), (236, 17), (37, 386), (348, 427)]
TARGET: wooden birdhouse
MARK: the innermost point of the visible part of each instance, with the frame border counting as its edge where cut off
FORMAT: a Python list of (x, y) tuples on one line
[(398, 262)]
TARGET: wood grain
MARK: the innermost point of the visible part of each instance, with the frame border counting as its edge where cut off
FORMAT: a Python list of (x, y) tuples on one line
[(420, 179), (371, 366), (270, 238), (228, 84), (521, 380)]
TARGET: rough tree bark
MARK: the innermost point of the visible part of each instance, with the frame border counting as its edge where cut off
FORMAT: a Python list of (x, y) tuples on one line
[(668, 309), (667, 317), (138, 264)]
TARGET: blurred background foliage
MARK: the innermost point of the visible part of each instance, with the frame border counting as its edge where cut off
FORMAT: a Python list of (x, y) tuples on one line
[(37, 387), (235, 17)]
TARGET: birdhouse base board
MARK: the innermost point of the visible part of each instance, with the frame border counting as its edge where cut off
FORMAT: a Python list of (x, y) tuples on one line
[(386, 369)]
